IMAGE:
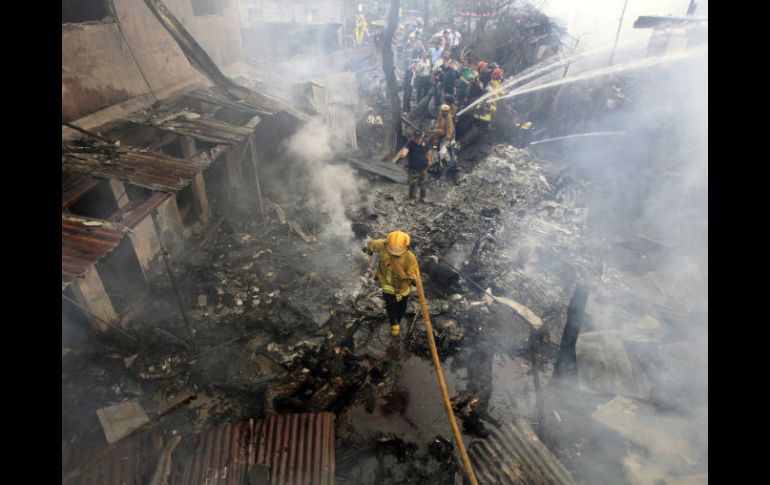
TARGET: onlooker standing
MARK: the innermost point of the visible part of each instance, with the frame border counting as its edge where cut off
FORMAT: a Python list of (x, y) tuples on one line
[(435, 52), (422, 71), (417, 52), (408, 77), (439, 70), (450, 77), (464, 82), (455, 44)]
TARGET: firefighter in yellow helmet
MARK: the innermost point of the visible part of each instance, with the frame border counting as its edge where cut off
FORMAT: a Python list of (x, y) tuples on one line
[(360, 29), (396, 271)]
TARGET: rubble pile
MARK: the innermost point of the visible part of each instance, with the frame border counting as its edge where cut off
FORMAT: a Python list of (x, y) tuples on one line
[(287, 318)]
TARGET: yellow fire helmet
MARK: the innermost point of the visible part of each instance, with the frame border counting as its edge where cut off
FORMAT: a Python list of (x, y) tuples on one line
[(397, 243), (526, 125), (445, 107)]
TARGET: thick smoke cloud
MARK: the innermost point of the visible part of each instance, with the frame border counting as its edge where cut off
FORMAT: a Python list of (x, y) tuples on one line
[(647, 201), (331, 188), (595, 22)]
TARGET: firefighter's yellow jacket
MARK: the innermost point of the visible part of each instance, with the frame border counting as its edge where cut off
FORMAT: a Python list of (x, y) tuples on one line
[(392, 271)]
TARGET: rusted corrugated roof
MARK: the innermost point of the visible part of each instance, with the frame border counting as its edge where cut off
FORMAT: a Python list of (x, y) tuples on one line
[(514, 455), (154, 171), (78, 187), (83, 245), (290, 448), (295, 448)]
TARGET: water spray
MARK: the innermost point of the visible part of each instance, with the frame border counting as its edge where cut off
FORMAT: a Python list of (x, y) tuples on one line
[(638, 64), (579, 135)]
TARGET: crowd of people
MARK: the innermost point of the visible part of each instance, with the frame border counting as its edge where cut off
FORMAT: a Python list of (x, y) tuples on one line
[(439, 72), (442, 78), (455, 79), (446, 72)]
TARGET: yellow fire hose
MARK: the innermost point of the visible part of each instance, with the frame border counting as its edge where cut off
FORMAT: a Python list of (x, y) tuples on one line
[(441, 383)]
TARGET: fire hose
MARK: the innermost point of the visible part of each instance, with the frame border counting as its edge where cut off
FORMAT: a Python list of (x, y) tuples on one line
[(441, 382)]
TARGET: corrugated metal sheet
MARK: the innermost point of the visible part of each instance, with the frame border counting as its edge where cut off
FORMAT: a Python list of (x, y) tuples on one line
[(295, 448), (145, 169), (207, 129), (514, 455), (76, 189), (341, 88), (208, 96), (335, 98), (83, 245), (290, 448)]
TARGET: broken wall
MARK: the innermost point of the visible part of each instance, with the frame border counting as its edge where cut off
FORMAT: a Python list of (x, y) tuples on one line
[(99, 69)]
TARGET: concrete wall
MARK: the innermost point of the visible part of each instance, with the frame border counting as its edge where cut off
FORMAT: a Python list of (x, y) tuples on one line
[(89, 291), (298, 11), (98, 69)]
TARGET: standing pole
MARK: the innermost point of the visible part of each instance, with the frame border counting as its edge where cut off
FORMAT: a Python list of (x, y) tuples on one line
[(388, 68), (441, 383), (617, 35), (256, 176), (171, 276), (574, 49)]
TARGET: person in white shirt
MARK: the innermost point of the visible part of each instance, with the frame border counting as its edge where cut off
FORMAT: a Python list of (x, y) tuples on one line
[(456, 38), (422, 73)]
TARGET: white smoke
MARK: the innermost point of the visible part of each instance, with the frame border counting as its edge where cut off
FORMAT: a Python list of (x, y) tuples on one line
[(331, 187), (595, 22)]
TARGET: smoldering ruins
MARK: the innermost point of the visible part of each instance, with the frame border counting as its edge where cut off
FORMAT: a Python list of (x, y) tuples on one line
[(225, 162)]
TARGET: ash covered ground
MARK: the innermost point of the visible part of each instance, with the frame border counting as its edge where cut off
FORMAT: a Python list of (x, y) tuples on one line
[(288, 318)]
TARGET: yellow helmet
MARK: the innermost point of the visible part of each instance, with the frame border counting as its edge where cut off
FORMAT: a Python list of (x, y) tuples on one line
[(445, 107), (526, 125), (397, 243)]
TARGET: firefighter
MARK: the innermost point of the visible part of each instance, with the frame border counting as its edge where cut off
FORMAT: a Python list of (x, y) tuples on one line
[(396, 271), (443, 131), (485, 73), (497, 79), (360, 29), (484, 113)]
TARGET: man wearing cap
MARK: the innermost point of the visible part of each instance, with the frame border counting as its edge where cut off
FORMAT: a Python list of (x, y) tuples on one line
[(396, 271), (420, 158)]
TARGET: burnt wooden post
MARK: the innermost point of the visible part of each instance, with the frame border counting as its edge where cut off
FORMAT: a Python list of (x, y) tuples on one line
[(396, 136), (256, 176), (171, 276)]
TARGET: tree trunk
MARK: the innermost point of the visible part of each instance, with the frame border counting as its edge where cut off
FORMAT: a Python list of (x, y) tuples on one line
[(426, 17), (396, 136)]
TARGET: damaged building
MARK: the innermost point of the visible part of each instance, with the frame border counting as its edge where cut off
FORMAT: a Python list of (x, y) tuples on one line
[(221, 323)]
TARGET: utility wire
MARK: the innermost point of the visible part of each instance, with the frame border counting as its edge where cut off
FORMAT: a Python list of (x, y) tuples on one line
[(113, 11)]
